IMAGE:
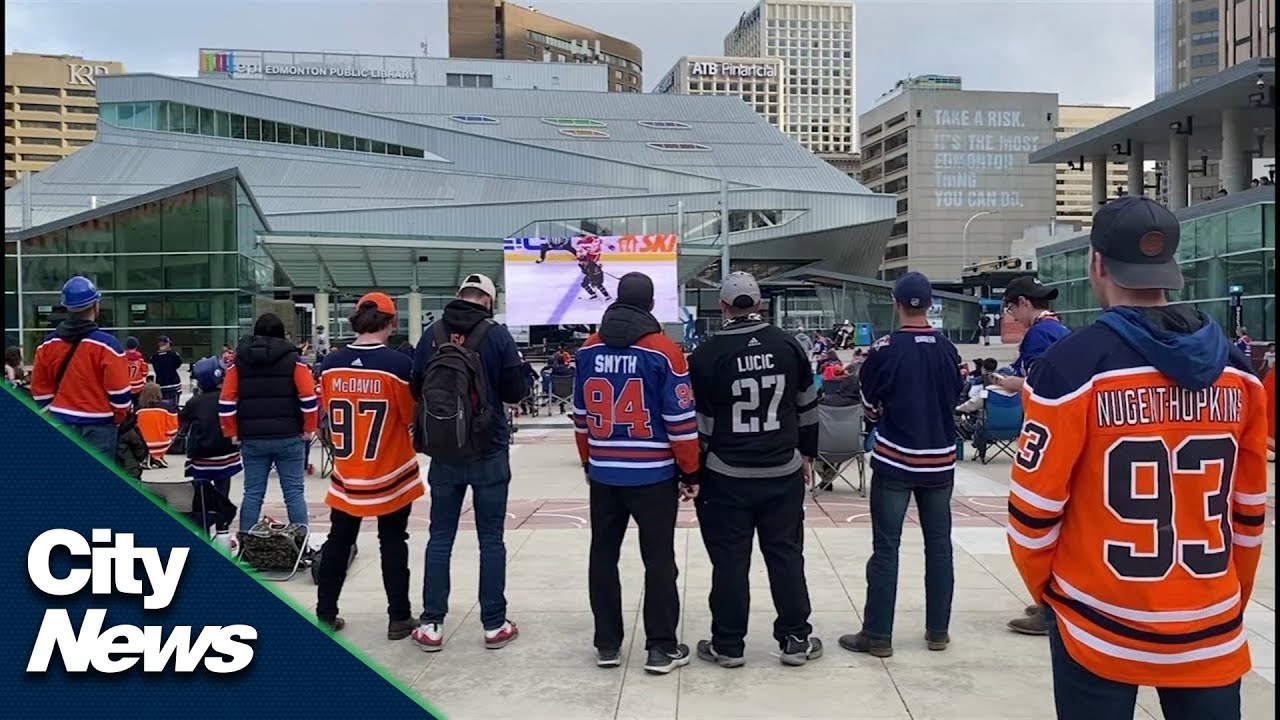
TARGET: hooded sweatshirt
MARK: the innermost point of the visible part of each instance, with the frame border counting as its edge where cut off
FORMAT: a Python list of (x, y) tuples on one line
[(268, 393), (499, 360), (95, 388), (1179, 341), (138, 370), (633, 408)]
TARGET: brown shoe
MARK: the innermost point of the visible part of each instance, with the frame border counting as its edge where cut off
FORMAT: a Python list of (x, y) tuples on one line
[(860, 643), (400, 629), (1036, 624), (937, 641)]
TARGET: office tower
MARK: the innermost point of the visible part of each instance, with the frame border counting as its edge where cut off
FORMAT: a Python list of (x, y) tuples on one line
[(815, 40), (1075, 180), (50, 108), (504, 31), (760, 82)]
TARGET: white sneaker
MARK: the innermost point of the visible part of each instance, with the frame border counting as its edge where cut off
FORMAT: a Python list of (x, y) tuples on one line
[(429, 637)]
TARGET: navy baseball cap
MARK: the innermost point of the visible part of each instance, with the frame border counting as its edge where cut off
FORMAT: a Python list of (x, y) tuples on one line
[(1137, 238), (913, 290)]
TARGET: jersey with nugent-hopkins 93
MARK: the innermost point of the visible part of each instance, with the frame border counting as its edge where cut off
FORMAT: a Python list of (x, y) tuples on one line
[(632, 403), (757, 404), (910, 382)]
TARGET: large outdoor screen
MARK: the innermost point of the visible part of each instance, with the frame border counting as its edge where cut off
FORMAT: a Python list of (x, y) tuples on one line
[(572, 279)]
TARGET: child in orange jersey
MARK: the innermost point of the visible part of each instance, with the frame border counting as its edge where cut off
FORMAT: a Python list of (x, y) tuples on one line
[(157, 422)]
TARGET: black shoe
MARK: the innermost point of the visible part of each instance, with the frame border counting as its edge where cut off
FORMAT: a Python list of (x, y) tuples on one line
[(608, 658), (796, 652), (1036, 624), (708, 652), (860, 643), (661, 662), (400, 629), (936, 641)]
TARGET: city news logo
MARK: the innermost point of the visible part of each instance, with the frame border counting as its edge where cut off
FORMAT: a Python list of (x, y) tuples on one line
[(113, 562), (218, 62)]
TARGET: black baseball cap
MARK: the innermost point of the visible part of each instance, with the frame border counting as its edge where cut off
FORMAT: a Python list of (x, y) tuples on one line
[(1137, 238), (636, 289), (1028, 287), (913, 290)]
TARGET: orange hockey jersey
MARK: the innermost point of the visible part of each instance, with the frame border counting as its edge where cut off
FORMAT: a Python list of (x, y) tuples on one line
[(95, 390), (138, 370), (364, 392), (1138, 500), (1270, 386), (158, 426)]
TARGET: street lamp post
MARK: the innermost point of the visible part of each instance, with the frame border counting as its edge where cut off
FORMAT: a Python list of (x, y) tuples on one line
[(964, 238)]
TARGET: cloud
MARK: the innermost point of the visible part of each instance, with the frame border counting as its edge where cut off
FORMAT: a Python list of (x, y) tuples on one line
[(1097, 51)]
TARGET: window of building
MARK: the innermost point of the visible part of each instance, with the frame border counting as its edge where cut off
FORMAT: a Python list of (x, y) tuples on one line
[(37, 157), (174, 117), (469, 80), (1204, 16), (55, 142), (574, 122), (81, 126), (664, 124), (77, 110), (35, 107), (474, 119), (895, 163), (899, 229), (81, 93), (1205, 38), (1205, 60), (77, 143), (44, 124), (902, 206), (584, 133), (679, 147), (52, 92), (896, 186), (893, 142)]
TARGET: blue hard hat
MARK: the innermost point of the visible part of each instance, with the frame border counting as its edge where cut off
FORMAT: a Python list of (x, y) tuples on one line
[(79, 293), (208, 373)]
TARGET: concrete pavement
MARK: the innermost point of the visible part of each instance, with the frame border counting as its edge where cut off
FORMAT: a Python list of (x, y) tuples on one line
[(988, 672)]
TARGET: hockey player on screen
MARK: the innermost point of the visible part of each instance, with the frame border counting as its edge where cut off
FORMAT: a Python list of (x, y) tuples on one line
[(555, 243), (589, 249)]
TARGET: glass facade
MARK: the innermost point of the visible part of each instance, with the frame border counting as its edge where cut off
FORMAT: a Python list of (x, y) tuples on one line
[(165, 116), (1217, 251), (187, 266)]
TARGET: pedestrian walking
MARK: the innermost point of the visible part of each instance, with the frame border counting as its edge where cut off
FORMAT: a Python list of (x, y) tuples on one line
[(910, 381), (758, 420)]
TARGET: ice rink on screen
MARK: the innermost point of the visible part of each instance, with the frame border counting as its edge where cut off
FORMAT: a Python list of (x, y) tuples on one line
[(551, 293)]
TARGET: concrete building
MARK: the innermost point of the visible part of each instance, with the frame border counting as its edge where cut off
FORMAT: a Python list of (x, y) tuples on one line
[(1248, 30), (815, 39), (1228, 240), (500, 30), (1186, 42), (1074, 179), (957, 162), (328, 67), (50, 110), (204, 200), (760, 82)]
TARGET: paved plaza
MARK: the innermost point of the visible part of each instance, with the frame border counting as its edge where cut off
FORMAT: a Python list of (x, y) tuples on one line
[(988, 671)]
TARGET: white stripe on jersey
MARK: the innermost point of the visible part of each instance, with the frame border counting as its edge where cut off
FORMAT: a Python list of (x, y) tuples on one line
[(631, 464), (1147, 616), (1109, 648)]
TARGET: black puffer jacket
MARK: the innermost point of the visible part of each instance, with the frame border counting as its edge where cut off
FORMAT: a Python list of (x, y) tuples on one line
[(622, 325), (268, 406)]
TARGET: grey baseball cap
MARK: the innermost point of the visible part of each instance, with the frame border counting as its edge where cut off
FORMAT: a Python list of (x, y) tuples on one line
[(740, 290)]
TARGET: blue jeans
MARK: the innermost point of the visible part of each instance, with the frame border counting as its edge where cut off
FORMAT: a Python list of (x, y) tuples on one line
[(102, 438), (489, 479), (289, 456), (889, 499), (1078, 694)]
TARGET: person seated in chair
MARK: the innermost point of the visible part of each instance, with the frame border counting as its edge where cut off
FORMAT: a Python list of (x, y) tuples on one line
[(968, 413)]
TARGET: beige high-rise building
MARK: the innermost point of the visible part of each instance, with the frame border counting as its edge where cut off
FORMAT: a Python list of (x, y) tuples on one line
[(1248, 30), (50, 108), (1075, 184)]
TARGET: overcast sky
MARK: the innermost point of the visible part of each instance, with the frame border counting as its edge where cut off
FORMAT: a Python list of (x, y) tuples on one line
[(1088, 51)]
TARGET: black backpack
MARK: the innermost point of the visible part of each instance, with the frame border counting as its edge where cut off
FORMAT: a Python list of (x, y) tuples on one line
[(453, 413)]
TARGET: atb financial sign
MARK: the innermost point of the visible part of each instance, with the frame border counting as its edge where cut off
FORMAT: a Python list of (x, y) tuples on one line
[(232, 63)]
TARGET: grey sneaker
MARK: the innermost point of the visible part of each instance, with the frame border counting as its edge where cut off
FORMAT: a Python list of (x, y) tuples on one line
[(1031, 610), (608, 658), (797, 652), (860, 643), (661, 662), (708, 652), (1036, 624)]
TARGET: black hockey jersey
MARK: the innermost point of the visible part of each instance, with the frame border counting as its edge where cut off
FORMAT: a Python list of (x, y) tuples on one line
[(910, 381), (757, 404)]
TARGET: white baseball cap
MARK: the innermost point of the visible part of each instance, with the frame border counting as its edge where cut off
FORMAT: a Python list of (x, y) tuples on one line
[(481, 283)]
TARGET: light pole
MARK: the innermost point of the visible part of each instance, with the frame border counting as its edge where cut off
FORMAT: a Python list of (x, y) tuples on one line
[(964, 239)]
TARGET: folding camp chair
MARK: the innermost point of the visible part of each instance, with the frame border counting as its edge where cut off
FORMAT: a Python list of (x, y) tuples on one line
[(1000, 426), (839, 442), (561, 394), (325, 436)]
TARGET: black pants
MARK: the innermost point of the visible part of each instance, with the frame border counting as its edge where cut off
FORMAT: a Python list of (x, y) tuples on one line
[(654, 509), (393, 535), (733, 510)]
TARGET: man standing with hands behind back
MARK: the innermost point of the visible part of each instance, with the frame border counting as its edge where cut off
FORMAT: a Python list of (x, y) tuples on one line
[(758, 420)]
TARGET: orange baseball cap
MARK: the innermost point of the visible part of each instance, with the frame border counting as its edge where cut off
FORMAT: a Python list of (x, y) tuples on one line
[(380, 300)]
